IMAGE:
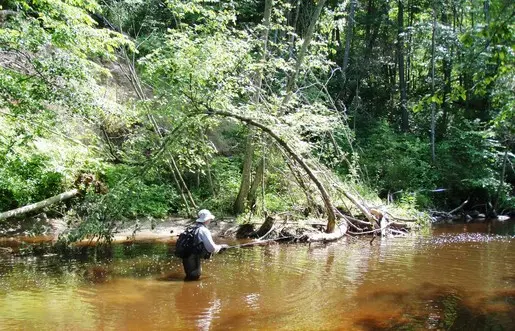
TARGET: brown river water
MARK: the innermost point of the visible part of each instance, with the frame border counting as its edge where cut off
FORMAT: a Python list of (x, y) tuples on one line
[(457, 277)]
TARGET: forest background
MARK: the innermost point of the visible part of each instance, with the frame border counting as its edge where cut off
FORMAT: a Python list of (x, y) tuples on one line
[(155, 108)]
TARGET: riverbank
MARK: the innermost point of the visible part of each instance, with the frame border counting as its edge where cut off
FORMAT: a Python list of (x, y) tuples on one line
[(42, 229), (145, 229)]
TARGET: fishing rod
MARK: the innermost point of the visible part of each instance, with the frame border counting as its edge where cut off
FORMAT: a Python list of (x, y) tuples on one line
[(257, 242)]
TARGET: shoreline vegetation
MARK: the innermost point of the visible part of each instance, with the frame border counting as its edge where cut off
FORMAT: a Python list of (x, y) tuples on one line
[(40, 229), (318, 119)]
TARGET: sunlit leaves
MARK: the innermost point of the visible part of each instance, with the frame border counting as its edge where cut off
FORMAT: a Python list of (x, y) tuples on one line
[(49, 73)]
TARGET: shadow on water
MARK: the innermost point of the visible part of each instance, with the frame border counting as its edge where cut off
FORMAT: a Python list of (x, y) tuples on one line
[(171, 277), (509, 279), (433, 306), (506, 228)]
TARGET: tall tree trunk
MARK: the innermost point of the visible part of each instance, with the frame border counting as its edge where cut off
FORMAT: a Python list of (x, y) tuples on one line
[(256, 183), (400, 60), (447, 74), (303, 50), (239, 203), (409, 79), (433, 105), (291, 46), (371, 34), (348, 37), (368, 20), (246, 180), (337, 38), (486, 10), (501, 180)]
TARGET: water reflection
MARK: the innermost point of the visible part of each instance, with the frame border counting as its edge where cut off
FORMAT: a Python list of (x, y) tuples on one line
[(452, 280)]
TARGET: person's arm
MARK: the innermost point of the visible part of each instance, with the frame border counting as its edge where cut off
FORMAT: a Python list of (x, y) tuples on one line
[(205, 236)]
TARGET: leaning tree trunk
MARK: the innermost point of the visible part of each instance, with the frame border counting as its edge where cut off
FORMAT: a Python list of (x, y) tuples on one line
[(331, 216), (39, 205)]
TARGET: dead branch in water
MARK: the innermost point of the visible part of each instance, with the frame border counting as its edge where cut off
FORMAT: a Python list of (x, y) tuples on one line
[(459, 207)]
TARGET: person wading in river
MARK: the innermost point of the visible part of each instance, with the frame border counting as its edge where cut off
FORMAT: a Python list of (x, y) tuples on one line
[(203, 240)]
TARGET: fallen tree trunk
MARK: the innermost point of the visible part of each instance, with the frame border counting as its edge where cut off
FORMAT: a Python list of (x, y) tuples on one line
[(39, 205), (364, 209)]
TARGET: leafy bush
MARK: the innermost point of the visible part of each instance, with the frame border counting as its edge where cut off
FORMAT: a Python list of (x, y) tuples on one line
[(468, 164), (226, 176), (27, 178), (395, 161), (130, 196), (134, 195)]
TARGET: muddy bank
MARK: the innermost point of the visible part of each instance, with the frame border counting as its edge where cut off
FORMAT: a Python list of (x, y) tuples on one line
[(42, 229), (48, 230)]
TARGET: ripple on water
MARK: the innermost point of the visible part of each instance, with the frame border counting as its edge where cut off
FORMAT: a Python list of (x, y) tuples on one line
[(470, 237), (419, 282)]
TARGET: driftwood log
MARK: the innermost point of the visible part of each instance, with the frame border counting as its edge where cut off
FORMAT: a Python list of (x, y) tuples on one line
[(339, 232)]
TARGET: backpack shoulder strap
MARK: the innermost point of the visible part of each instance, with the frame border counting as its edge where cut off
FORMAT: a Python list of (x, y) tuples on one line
[(197, 241)]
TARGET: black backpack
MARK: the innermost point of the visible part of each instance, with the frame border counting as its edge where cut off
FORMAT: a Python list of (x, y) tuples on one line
[(188, 244)]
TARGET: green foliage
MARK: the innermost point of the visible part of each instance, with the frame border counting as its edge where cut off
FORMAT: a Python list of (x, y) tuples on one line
[(280, 194), (129, 196), (226, 176), (55, 49), (26, 179), (396, 162), (276, 203), (25, 172), (468, 163)]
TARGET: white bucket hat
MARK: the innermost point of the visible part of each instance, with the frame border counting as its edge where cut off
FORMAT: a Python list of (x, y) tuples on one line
[(205, 215)]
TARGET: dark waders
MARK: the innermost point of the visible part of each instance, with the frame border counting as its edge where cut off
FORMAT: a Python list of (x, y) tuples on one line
[(192, 267)]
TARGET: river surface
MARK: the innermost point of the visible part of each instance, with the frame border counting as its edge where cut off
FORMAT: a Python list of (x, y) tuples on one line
[(459, 277)]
